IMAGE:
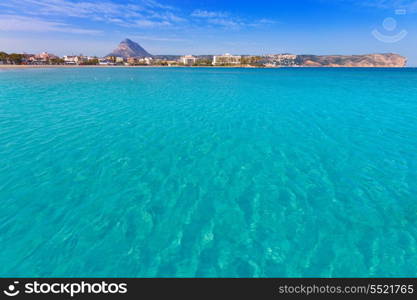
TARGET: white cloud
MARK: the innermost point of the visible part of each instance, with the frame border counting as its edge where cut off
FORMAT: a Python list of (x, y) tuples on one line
[(56, 15), (29, 24), (198, 13), (409, 5), (168, 16), (146, 12), (77, 9), (267, 21), (149, 23), (226, 23), (155, 4), (225, 19)]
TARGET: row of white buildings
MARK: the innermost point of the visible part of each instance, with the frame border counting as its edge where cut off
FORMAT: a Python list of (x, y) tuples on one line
[(271, 60), (187, 60), (76, 59), (218, 60), (49, 58)]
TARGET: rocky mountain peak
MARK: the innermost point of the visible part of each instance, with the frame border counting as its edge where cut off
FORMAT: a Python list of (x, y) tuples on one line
[(128, 48)]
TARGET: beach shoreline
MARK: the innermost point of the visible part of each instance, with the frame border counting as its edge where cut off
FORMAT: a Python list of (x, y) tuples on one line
[(17, 67), (70, 66)]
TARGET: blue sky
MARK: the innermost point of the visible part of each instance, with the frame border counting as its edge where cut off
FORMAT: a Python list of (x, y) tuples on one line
[(95, 27)]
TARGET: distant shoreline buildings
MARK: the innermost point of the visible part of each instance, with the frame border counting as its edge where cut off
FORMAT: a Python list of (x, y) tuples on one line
[(266, 61), (129, 53), (45, 58)]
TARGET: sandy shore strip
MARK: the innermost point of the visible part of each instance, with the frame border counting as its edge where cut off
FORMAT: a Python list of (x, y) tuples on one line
[(109, 66), (17, 67), (69, 66)]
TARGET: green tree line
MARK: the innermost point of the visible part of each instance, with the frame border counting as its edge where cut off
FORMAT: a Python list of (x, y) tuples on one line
[(13, 58)]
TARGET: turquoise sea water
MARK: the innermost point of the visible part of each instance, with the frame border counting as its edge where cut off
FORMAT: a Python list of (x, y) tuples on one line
[(208, 172)]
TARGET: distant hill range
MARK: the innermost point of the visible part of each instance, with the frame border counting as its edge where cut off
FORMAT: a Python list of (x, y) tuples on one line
[(128, 48), (369, 60)]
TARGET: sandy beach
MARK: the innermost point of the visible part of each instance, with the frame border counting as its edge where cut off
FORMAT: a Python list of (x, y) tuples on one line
[(68, 66)]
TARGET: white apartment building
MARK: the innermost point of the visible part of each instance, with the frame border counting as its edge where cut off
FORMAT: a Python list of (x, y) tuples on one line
[(74, 60), (188, 60), (119, 60), (226, 59)]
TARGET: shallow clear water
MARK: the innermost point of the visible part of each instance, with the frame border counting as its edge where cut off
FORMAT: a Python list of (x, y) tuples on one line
[(208, 172)]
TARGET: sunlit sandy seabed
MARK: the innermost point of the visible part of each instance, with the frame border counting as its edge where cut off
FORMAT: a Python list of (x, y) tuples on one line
[(208, 172)]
